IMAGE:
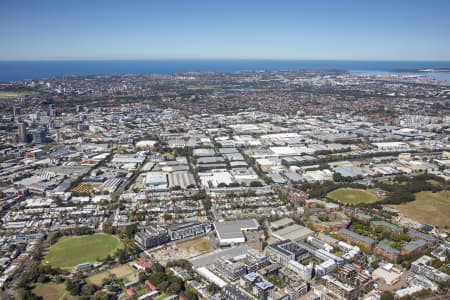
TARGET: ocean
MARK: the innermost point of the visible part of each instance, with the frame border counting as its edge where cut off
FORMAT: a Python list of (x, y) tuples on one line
[(21, 70)]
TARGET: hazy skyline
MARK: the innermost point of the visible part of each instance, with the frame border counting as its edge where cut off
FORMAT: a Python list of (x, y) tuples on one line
[(329, 30)]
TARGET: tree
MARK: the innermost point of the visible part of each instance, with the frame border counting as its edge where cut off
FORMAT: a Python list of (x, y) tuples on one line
[(182, 263), (375, 264), (12, 247), (162, 286), (88, 289), (256, 184), (25, 294), (387, 296), (101, 295), (338, 177), (73, 287), (437, 264), (190, 295), (130, 230), (443, 286), (53, 237), (157, 278), (142, 276), (406, 264), (174, 288), (157, 267), (212, 288), (121, 255), (42, 278)]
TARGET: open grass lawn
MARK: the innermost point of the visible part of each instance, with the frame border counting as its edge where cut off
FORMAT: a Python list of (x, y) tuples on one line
[(52, 291), (202, 244), (72, 250), (429, 208), (203, 87), (162, 296), (123, 271), (353, 196), (434, 182), (11, 95)]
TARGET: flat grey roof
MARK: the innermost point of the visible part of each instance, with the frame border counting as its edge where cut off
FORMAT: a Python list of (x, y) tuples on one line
[(357, 236), (293, 232), (281, 222), (233, 229), (228, 150), (212, 257), (413, 245)]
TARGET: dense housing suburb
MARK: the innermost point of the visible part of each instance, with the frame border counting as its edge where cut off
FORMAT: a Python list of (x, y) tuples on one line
[(247, 185)]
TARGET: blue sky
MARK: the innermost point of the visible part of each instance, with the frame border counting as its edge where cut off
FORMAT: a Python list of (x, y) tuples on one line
[(173, 29)]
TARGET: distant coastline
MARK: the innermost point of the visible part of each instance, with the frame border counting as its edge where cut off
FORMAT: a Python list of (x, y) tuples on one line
[(23, 70), (429, 70)]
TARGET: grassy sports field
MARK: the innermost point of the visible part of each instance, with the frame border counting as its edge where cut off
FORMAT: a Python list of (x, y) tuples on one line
[(353, 196), (429, 208), (72, 250), (11, 95), (52, 291), (122, 272)]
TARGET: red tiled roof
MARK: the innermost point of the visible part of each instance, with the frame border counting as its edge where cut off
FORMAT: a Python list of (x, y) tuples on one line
[(150, 285), (143, 263), (131, 292)]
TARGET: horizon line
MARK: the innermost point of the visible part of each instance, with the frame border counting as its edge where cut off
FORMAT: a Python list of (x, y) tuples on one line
[(220, 59)]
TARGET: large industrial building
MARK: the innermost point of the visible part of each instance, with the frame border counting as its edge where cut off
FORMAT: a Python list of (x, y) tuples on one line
[(231, 232), (293, 232), (156, 181), (182, 179)]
